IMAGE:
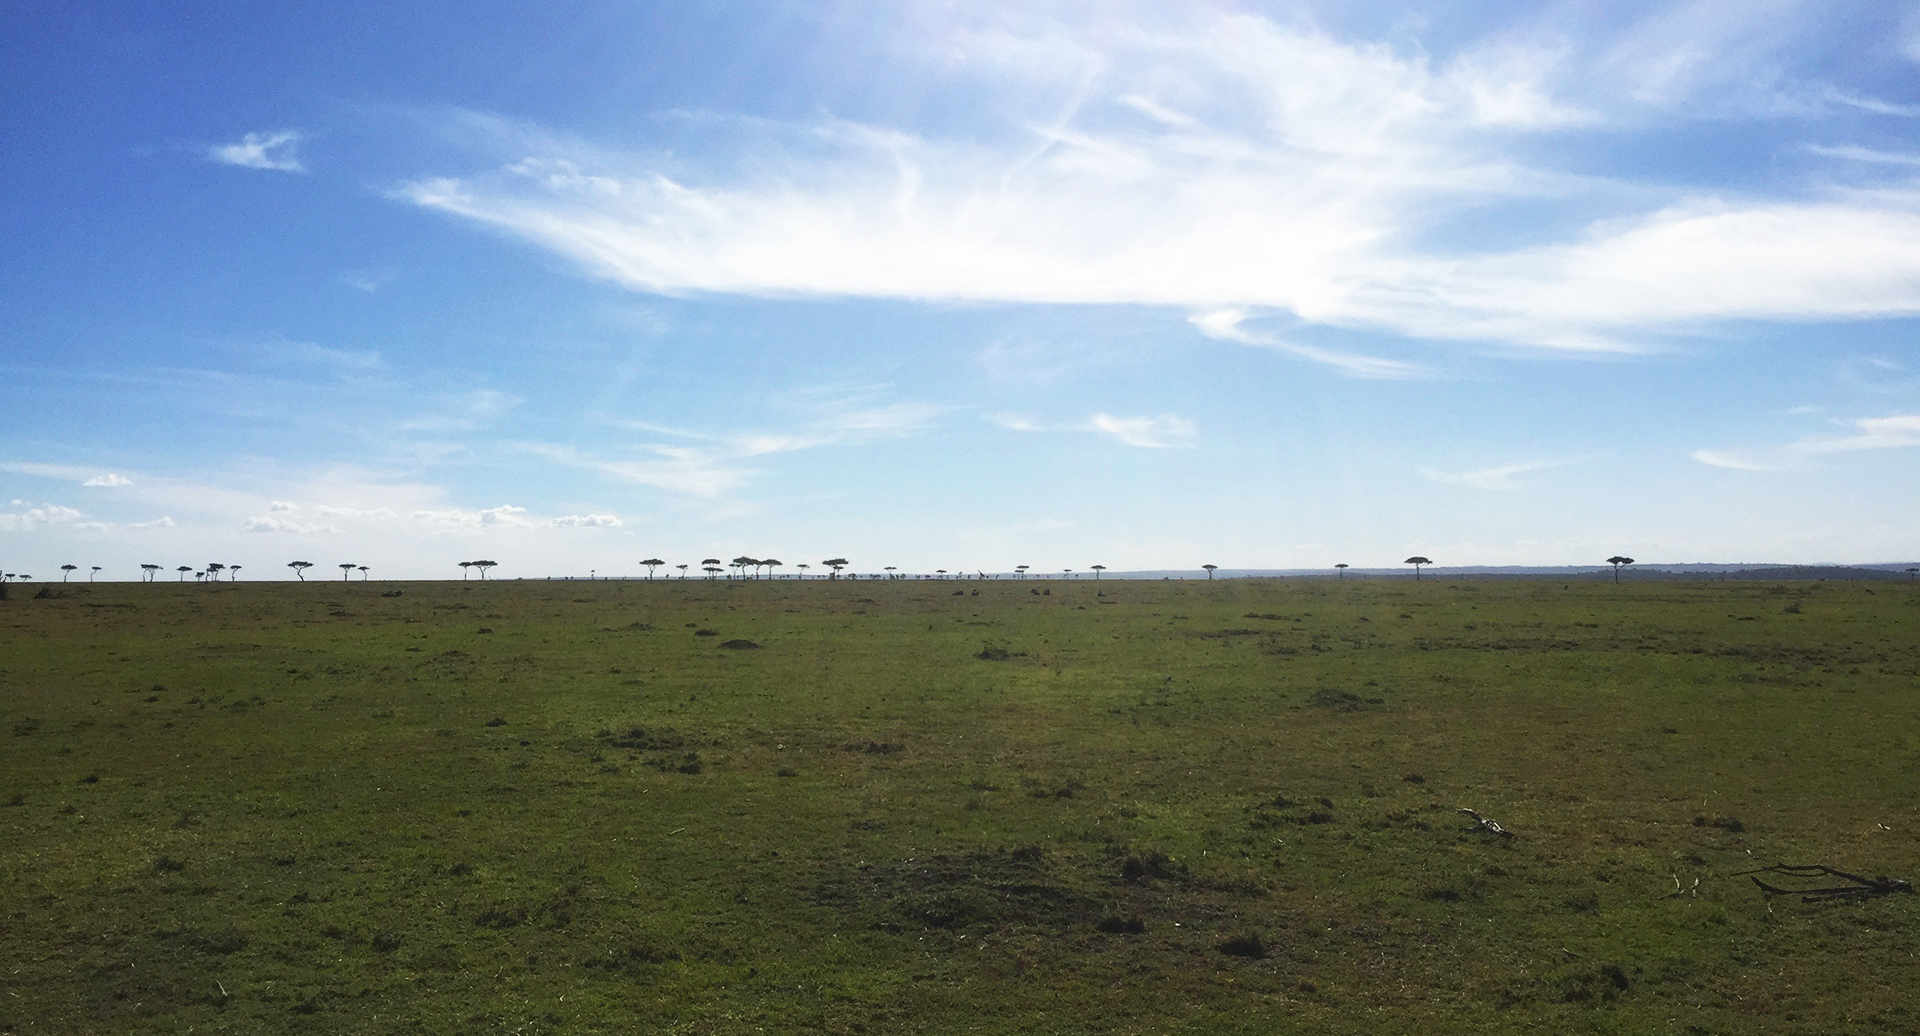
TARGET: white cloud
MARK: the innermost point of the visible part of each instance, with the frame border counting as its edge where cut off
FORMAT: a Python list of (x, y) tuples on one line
[(36, 517), (1492, 478), (586, 521), (262, 151), (1856, 153), (282, 505), (1161, 432), (327, 511), (1150, 432), (504, 515), (1225, 325), (267, 523), (347, 360), (507, 516), (1233, 162), (67, 472), (1014, 423), (1871, 433), (717, 463)]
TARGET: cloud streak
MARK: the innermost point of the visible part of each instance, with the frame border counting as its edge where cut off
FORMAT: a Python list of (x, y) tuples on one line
[(1155, 433), (1225, 164), (1500, 478), (275, 151), (1870, 433)]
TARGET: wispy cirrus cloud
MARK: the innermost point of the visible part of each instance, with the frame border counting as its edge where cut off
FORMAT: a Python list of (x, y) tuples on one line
[(1228, 163), (1162, 432), (92, 477), (1155, 433), (709, 465), (276, 150), (1497, 478), (1225, 325), (1868, 433), (326, 519)]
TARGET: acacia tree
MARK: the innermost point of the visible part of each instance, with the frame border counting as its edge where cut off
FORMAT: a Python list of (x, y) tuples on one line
[(1342, 569), (803, 566), (712, 571), (683, 570), (1416, 561), (653, 563), (890, 571), (1209, 569), (483, 566), (67, 570), (233, 573), (1097, 569), (836, 564), (346, 571), (150, 571), (214, 568), (183, 570), (300, 568), (772, 563), (1617, 561), (96, 571), (363, 573)]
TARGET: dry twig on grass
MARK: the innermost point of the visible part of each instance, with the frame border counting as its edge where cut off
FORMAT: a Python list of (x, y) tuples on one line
[(1861, 888)]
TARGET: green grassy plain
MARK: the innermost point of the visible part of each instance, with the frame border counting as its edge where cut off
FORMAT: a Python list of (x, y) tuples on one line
[(1154, 807)]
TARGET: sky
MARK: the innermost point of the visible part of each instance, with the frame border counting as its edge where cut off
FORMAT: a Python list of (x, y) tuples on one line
[(956, 286)]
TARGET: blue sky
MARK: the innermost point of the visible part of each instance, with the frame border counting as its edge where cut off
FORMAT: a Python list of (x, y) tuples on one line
[(958, 286)]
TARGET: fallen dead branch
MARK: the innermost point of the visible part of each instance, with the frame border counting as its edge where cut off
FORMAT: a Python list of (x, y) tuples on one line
[(1858, 887)]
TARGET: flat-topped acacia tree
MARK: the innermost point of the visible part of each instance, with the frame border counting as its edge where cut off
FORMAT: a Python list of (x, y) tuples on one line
[(836, 564), (67, 570), (346, 571), (300, 568), (483, 566), (653, 563), (1617, 562), (96, 571), (183, 570), (149, 571), (1209, 569), (1417, 561), (1097, 569), (1342, 569)]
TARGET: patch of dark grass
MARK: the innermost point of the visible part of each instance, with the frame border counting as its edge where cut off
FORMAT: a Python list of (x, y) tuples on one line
[(1246, 944), (1341, 701)]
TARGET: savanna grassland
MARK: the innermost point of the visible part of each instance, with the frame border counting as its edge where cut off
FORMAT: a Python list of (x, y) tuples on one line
[(1125, 807)]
